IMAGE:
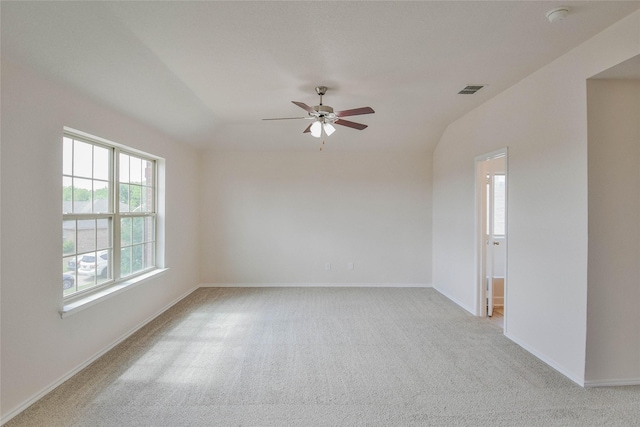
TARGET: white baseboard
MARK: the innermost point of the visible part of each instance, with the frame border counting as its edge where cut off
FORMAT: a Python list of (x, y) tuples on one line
[(575, 378), (456, 301), (315, 285), (612, 383), (543, 358), (89, 361)]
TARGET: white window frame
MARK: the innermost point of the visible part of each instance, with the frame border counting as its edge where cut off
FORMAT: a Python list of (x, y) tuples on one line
[(121, 215), (84, 298)]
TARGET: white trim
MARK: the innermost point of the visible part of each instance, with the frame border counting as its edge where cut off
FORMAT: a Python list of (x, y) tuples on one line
[(76, 305), (456, 301), (552, 363), (104, 141), (480, 291), (82, 299), (492, 155), (612, 383), (92, 359), (315, 285)]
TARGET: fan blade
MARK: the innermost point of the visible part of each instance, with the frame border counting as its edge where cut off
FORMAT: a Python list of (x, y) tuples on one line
[(349, 124), (355, 112), (305, 107), (308, 129), (287, 118)]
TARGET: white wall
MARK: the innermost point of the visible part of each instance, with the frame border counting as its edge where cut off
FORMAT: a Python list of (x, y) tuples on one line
[(38, 347), (613, 325), (280, 217), (543, 121)]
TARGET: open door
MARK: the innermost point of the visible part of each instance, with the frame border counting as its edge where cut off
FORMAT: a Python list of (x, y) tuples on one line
[(491, 226)]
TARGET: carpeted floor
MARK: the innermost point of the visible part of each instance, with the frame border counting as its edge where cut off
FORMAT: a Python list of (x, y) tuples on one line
[(324, 357)]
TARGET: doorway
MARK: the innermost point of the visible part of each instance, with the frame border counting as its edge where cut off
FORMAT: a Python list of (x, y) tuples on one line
[(491, 232)]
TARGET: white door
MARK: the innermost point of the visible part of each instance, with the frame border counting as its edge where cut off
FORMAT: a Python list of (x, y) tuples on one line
[(495, 238), (492, 184)]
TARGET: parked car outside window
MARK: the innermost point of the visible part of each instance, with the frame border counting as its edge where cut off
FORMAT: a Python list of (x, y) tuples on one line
[(73, 263), (89, 267), (67, 281)]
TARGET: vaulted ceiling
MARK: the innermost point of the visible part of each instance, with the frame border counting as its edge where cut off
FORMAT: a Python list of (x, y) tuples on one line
[(206, 73)]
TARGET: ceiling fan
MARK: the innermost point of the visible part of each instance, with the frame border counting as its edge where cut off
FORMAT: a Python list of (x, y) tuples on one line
[(324, 117)]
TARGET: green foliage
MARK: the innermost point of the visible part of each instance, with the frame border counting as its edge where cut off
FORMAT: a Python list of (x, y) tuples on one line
[(68, 247), (132, 233), (138, 258), (82, 194), (125, 262), (131, 195), (131, 260)]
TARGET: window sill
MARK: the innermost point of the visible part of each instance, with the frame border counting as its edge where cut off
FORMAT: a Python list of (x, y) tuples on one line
[(75, 306)]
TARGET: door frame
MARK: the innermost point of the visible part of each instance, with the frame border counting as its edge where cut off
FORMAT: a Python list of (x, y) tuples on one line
[(480, 220)]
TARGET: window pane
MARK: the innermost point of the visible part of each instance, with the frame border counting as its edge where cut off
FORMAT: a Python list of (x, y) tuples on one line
[(135, 170), (68, 276), (103, 267), (82, 159), (134, 198), (125, 262), (84, 281), (124, 168), (100, 163), (149, 259), (82, 195), (124, 198), (85, 269), (499, 207), (68, 237), (86, 235), (147, 176), (137, 230), (125, 232), (71, 264), (67, 156), (103, 233), (145, 199), (149, 231), (137, 258), (488, 207), (101, 197), (67, 195)]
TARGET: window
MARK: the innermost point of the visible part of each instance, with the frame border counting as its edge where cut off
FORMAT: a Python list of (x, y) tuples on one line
[(109, 214), (498, 205)]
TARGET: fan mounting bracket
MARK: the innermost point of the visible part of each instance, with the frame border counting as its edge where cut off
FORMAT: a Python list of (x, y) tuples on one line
[(321, 90)]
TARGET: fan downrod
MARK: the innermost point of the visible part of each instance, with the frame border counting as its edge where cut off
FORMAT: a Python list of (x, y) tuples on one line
[(321, 90)]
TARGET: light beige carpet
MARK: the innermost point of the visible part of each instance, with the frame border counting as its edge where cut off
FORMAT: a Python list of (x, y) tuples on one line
[(324, 357)]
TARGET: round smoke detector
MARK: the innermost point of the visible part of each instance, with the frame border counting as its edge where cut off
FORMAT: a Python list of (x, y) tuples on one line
[(557, 14)]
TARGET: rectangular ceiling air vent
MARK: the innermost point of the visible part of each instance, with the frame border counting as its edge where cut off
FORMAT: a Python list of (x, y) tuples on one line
[(470, 89)]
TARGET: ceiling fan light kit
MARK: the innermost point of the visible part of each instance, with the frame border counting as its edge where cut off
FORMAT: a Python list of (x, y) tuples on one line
[(328, 129), (324, 117), (316, 129)]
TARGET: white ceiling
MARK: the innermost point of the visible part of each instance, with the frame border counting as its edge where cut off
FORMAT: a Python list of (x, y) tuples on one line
[(206, 73)]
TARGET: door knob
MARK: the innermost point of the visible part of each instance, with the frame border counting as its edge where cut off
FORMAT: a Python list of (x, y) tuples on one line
[(496, 243)]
